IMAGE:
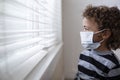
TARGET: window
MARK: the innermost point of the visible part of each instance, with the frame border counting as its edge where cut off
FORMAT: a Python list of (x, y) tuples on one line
[(28, 29)]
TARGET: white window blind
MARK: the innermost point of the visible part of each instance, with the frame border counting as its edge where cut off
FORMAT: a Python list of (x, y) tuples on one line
[(28, 28)]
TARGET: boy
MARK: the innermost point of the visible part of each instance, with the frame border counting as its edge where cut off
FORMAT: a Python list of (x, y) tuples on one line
[(101, 36)]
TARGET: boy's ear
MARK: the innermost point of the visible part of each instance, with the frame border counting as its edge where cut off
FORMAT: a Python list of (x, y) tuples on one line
[(106, 34)]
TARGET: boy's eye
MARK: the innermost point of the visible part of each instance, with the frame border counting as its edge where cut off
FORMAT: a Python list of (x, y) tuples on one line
[(86, 29)]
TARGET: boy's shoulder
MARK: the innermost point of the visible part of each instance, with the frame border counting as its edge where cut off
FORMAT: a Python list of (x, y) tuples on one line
[(111, 59), (86, 51), (108, 58)]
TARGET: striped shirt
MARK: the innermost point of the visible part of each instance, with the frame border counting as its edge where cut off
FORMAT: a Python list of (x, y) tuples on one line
[(95, 65)]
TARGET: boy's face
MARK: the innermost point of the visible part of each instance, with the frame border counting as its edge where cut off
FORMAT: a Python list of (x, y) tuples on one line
[(91, 25)]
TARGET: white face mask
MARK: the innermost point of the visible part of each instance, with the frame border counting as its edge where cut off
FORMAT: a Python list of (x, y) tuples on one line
[(87, 40)]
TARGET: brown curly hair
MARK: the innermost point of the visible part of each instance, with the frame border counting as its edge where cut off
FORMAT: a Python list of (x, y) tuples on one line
[(106, 18)]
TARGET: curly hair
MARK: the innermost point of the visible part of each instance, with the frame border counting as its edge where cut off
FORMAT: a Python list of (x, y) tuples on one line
[(106, 18)]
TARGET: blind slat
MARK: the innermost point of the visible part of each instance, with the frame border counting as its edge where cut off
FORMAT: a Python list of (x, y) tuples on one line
[(25, 68), (18, 45), (26, 31), (17, 58)]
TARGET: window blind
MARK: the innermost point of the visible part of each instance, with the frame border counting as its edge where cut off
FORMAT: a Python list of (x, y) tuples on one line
[(28, 28)]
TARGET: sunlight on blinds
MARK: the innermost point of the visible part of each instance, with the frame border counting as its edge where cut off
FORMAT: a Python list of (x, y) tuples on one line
[(28, 28)]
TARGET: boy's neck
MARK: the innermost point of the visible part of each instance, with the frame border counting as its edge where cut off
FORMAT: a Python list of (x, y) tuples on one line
[(103, 47)]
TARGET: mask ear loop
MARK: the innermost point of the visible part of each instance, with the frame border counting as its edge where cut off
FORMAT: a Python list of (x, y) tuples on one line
[(100, 31)]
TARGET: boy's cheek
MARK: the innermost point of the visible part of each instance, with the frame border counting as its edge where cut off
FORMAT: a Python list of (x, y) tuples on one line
[(97, 38)]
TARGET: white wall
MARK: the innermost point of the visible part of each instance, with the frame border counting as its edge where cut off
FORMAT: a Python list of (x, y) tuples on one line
[(55, 69), (72, 24)]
